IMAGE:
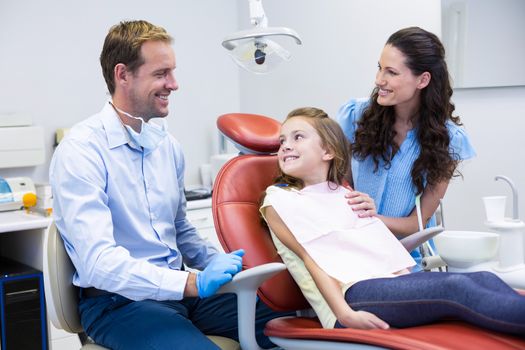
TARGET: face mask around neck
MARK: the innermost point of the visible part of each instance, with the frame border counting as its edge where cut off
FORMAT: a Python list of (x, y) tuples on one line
[(151, 134)]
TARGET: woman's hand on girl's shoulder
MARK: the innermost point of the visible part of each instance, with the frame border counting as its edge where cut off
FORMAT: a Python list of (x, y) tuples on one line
[(362, 320), (361, 203)]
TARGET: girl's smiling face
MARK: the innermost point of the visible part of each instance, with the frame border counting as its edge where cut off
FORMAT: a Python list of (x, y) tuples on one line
[(302, 154)]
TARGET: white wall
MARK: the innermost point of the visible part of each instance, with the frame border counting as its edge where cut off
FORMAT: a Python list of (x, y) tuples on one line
[(342, 41), (50, 69), (495, 121)]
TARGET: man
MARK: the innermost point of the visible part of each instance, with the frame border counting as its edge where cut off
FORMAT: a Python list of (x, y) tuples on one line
[(118, 190)]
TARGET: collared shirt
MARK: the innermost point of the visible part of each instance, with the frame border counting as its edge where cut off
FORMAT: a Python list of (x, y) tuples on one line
[(391, 188), (122, 213)]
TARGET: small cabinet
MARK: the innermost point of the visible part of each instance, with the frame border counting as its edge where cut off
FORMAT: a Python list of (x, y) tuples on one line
[(200, 215), (22, 240)]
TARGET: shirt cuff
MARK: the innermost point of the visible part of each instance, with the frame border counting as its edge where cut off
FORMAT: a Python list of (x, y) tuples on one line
[(172, 285)]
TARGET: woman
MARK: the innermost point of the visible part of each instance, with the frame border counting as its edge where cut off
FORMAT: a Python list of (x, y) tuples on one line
[(405, 141)]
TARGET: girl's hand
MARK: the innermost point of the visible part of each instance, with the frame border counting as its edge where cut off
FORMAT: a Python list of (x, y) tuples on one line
[(362, 320), (362, 203)]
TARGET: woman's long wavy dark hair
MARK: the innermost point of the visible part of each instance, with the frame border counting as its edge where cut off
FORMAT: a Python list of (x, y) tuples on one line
[(375, 134)]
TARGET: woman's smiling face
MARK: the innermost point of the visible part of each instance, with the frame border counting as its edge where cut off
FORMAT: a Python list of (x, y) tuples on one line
[(398, 86)]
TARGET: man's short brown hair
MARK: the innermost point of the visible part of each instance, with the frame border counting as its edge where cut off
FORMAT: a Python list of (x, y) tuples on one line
[(122, 45)]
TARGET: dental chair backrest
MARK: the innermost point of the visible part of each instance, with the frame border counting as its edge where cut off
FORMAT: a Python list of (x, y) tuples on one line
[(61, 294), (237, 194)]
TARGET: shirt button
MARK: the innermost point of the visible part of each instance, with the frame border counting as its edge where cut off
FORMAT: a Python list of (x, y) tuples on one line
[(153, 216)]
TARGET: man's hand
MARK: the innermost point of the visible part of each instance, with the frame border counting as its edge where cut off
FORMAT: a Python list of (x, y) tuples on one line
[(218, 272)]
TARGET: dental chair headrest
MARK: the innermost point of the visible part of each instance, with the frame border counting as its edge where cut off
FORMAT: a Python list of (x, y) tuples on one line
[(251, 133)]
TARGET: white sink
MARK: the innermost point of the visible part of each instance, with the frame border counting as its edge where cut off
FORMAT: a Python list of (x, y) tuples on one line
[(466, 248)]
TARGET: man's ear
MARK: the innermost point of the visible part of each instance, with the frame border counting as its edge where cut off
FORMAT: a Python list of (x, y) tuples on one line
[(121, 74), (424, 80)]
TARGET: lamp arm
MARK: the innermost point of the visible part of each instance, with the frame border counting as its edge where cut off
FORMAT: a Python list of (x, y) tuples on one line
[(257, 16)]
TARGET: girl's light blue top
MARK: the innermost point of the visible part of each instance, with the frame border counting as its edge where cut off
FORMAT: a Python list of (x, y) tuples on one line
[(392, 188)]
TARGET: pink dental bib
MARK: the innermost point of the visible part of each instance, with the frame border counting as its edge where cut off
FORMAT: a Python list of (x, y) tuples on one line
[(345, 246)]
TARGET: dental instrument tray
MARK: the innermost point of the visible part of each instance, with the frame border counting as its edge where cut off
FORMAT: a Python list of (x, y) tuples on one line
[(12, 191)]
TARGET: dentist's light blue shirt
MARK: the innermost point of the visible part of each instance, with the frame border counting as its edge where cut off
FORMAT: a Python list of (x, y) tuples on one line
[(122, 213), (392, 188)]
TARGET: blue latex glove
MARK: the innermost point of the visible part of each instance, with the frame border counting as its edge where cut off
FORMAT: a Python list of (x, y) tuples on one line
[(218, 272)]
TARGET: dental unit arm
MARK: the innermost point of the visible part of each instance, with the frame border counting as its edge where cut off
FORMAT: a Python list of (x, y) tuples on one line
[(429, 259), (260, 22), (417, 239), (421, 237)]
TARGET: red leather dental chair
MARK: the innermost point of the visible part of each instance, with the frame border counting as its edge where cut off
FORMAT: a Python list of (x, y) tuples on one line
[(237, 192)]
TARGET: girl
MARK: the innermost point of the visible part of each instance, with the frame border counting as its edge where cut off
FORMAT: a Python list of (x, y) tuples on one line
[(348, 282)]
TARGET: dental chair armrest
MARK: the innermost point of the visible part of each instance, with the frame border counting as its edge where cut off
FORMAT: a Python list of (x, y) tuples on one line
[(244, 285), (416, 239), (252, 278)]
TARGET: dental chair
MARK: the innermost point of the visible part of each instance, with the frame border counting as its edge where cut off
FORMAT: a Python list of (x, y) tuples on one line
[(62, 296), (237, 192)]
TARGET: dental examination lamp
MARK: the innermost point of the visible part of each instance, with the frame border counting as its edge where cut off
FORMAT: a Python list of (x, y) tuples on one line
[(252, 49)]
